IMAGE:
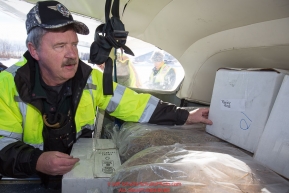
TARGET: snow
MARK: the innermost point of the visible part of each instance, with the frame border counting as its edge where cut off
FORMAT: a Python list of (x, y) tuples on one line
[(8, 62)]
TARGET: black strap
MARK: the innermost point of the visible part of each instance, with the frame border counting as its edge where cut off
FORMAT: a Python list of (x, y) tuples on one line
[(115, 9), (114, 66), (107, 78), (113, 35), (107, 9), (114, 28)]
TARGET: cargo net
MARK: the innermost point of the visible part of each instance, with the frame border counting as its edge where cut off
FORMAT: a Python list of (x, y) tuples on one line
[(209, 167)]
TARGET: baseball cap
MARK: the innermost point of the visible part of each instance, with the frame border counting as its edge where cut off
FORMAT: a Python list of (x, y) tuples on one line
[(51, 15), (157, 56)]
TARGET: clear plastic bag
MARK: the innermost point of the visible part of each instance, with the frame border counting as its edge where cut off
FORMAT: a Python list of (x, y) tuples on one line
[(208, 167)]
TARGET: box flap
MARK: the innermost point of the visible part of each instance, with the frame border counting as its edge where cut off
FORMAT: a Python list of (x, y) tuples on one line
[(256, 69)]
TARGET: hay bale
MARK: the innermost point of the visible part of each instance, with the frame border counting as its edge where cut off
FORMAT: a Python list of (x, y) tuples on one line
[(135, 137)]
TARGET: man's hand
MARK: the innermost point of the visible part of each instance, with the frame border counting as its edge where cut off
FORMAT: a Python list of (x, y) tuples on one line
[(55, 163), (199, 116)]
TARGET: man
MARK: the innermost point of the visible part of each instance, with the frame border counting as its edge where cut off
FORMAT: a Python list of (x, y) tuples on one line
[(48, 99), (163, 77)]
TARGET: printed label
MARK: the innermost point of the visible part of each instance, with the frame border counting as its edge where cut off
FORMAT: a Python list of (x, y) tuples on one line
[(106, 161)]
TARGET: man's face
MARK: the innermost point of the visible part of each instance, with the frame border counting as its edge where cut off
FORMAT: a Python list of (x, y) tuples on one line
[(58, 57), (158, 65)]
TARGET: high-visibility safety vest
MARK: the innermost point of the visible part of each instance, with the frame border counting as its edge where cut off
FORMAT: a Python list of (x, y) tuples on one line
[(23, 121), (160, 76)]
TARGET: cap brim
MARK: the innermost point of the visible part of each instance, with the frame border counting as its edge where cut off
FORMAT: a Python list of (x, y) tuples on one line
[(81, 28)]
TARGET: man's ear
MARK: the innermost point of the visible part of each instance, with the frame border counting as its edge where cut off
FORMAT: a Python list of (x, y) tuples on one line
[(33, 51)]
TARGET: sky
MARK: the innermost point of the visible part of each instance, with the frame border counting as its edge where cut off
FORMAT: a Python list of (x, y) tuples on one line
[(13, 16), (12, 22)]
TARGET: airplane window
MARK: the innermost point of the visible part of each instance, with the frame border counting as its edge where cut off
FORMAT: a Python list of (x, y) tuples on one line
[(150, 68)]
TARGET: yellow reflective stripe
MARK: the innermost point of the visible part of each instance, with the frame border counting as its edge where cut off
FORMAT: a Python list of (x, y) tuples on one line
[(13, 69), (149, 109), (4, 141), (17, 136), (23, 109), (90, 87), (115, 100), (17, 99)]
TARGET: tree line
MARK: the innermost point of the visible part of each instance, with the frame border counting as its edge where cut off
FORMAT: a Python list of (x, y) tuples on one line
[(10, 49)]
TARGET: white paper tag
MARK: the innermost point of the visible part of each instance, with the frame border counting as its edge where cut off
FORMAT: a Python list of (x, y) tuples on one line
[(232, 104), (106, 161)]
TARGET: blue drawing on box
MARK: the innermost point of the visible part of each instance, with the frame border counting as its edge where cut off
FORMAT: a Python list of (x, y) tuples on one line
[(245, 123)]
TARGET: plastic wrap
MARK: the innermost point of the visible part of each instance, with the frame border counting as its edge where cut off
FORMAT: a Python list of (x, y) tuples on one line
[(211, 167), (134, 137)]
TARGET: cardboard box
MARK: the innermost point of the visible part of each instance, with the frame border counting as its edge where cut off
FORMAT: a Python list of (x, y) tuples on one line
[(241, 103), (82, 178), (273, 147)]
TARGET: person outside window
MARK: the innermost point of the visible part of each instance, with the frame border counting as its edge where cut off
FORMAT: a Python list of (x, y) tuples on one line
[(163, 77)]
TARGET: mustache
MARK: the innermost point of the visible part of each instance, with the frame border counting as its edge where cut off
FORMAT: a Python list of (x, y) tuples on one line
[(69, 61)]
